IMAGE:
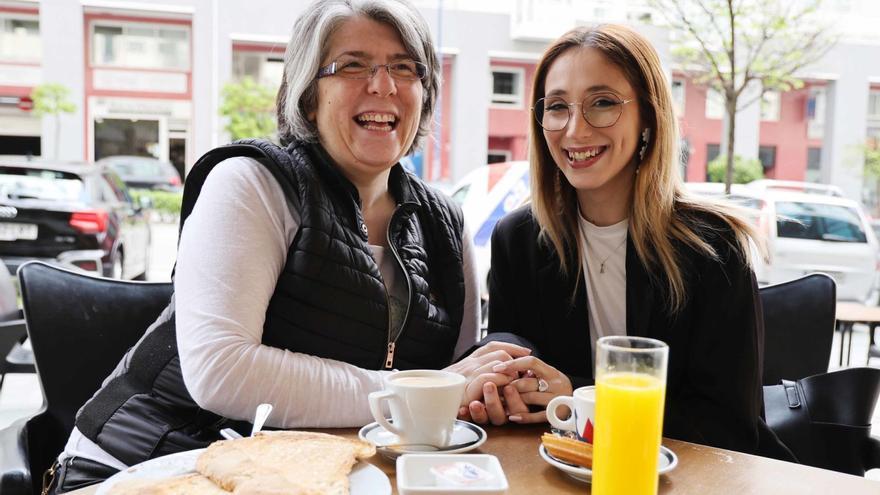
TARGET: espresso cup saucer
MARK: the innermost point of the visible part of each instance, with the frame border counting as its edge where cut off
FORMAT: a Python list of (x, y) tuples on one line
[(667, 462), (468, 435)]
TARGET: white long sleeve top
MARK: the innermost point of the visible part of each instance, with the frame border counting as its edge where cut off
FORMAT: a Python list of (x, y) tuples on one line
[(232, 250)]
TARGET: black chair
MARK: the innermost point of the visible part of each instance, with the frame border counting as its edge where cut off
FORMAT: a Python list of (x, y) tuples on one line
[(799, 319), (825, 419), (80, 327)]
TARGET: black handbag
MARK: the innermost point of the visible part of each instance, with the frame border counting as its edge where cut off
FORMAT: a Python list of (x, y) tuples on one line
[(825, 419)]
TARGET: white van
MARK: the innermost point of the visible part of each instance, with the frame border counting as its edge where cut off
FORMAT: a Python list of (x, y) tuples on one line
[(809, 228)]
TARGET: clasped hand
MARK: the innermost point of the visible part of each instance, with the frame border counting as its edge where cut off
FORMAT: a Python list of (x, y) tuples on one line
[(503, 380)]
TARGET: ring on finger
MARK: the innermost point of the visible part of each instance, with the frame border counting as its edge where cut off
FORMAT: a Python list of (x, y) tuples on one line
[(543, 386)]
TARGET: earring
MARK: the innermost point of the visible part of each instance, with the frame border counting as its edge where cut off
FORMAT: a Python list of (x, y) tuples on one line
[(646, 138)]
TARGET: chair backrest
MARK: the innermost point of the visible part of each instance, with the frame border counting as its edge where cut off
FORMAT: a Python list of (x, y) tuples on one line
[(80, 327), (799, 321), (11, 333)]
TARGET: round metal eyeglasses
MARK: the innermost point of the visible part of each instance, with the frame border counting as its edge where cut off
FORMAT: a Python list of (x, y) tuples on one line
[(354, 68), (553, 113)]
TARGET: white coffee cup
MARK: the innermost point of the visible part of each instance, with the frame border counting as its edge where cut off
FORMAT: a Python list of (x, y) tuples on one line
[(583, 406), (423, 404)]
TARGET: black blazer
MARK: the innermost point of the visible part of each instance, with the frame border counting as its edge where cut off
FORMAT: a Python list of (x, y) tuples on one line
[(713, 393)]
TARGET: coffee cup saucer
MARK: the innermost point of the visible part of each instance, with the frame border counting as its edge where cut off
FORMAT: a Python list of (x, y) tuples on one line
[(468, 435)]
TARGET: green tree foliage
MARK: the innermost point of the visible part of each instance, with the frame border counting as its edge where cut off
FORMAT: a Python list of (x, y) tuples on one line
[(732, 45), (166, 204), (52, 99), (249, 108), (745, 170)]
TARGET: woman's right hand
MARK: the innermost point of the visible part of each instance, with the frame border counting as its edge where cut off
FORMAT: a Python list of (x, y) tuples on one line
[(493, 353)]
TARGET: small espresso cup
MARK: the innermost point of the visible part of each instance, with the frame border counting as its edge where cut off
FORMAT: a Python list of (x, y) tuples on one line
[(423, 404), (583, 409)]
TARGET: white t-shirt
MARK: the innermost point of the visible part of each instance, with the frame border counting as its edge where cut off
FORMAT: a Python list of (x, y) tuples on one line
[(232, 250), (604, 262)]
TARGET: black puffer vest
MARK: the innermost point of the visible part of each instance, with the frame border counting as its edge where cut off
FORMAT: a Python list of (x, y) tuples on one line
[(329, 301)]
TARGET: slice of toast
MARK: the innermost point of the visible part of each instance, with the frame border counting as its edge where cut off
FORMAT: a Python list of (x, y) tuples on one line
[(188, 484), (283, 462)]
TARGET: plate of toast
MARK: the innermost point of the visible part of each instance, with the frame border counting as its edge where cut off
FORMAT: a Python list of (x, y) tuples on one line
[(270, 462), (575, 457)]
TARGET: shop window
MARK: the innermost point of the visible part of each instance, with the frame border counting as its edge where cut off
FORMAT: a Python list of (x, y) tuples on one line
[(135, 137)]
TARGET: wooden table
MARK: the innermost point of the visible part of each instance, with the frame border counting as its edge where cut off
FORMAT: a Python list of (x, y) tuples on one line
[(847, 315), (701, 470)]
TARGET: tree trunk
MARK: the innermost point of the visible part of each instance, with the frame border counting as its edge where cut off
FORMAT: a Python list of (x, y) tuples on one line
[(731, 127)]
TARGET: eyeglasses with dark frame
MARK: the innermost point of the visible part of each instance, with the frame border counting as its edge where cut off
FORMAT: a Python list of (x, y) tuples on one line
[(357, 68), (553, 113)]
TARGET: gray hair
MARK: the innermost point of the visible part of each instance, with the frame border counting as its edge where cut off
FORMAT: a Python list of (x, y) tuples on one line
[(297, 96)]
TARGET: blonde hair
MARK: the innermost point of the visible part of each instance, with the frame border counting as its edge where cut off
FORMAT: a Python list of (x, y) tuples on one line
[(661, 213)]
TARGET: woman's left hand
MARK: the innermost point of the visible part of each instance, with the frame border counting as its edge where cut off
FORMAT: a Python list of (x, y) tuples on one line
[(539, 384)]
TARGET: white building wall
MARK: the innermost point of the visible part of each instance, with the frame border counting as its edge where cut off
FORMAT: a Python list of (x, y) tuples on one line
[(64, 63), (846, 114)]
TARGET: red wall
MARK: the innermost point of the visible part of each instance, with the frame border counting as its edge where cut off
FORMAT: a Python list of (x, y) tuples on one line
[(789, 135)]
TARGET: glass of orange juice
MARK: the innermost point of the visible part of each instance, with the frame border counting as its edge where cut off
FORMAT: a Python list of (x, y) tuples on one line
[(630, 390)]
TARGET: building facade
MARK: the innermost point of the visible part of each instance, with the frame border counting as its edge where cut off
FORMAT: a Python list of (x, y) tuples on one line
[(146, 79)]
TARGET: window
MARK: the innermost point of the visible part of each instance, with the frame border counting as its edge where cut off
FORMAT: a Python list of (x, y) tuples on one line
[(265, 68), (20, 39), (770, 101), (767, 156), (816, 113), (498, 156), (821, 222), (678, 97), (714, 104), (461, 194), (45, 185), (814, 165), (507, 87), (874, 105), (141, 45), (712, 152)]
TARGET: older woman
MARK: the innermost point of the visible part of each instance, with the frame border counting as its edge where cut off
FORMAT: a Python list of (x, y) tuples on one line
[(612, 245), (305, 272)]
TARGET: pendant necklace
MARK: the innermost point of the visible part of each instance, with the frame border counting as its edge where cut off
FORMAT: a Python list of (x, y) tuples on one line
[(602, 263)]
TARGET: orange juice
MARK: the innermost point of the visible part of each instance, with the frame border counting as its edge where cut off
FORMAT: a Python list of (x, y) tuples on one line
[(629, 425)]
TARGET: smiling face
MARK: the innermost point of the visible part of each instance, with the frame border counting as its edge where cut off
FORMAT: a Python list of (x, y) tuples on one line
[(366, 125), (595, 161)]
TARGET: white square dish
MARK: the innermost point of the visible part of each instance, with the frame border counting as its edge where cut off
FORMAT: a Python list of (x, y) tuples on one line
[(414, 475)]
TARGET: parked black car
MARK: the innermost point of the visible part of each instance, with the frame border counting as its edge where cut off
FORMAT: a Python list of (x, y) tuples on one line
[(74, 215), (144, 173)]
